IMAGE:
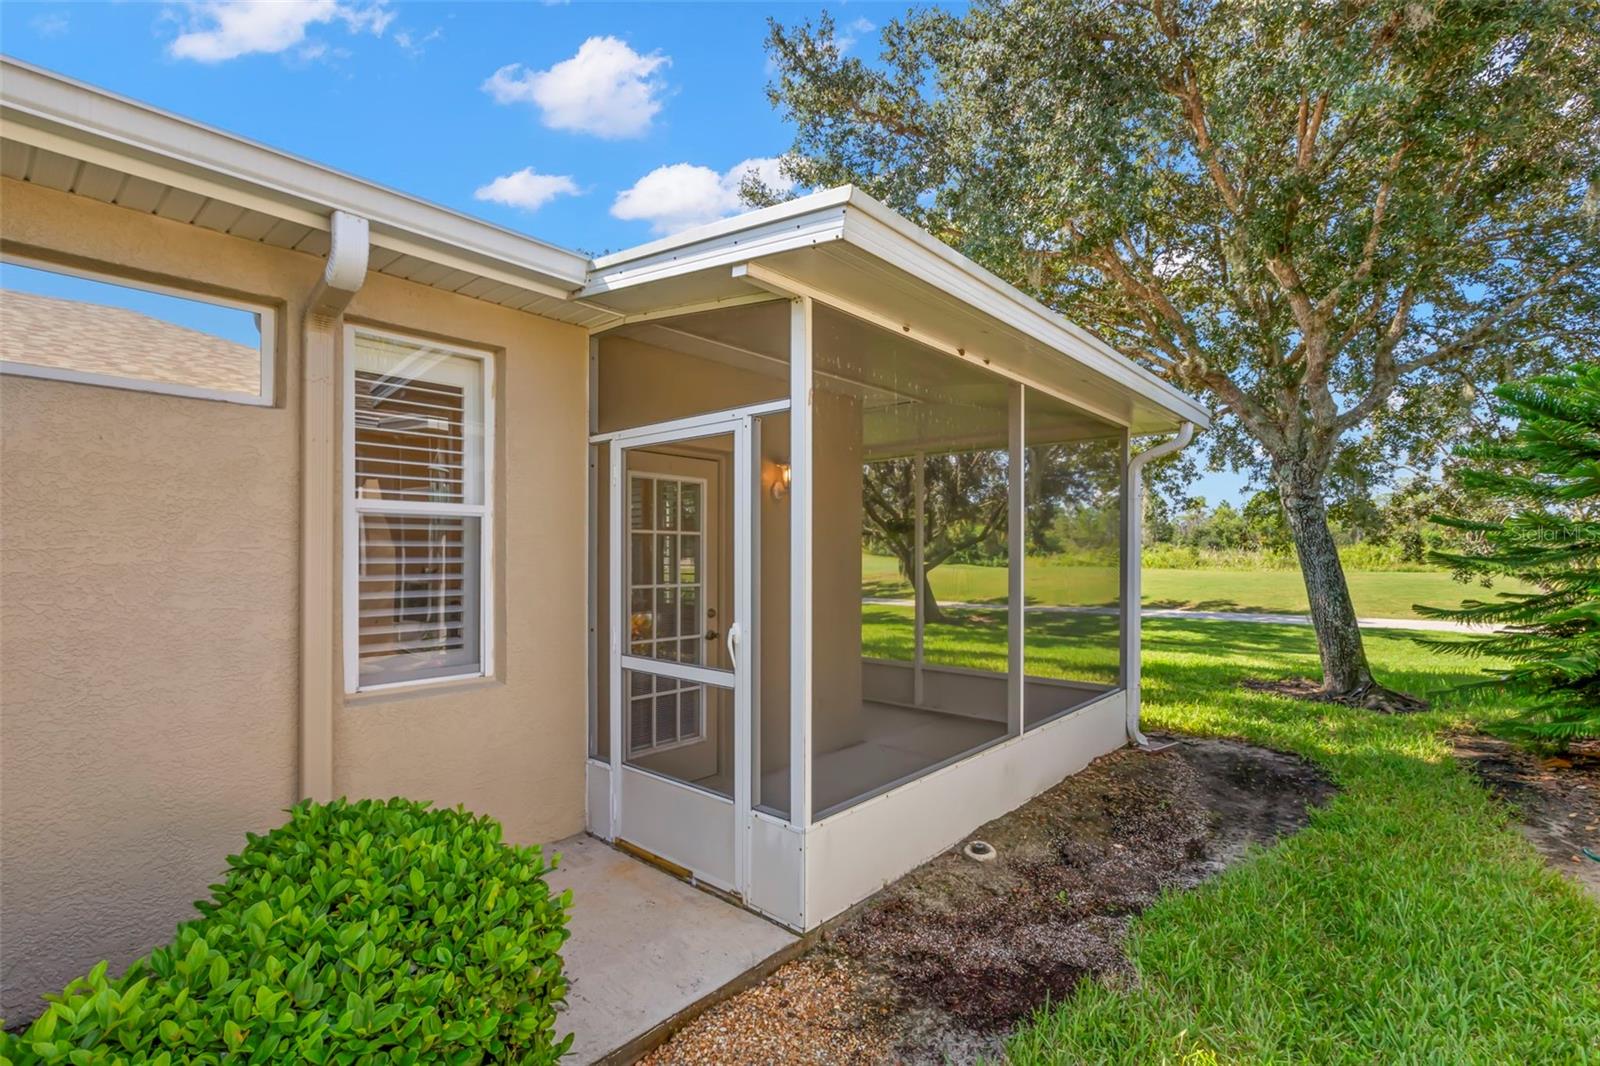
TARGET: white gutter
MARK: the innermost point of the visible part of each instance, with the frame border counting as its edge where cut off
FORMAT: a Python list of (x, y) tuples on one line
[(1132, 595), (341, 279), (212, 162)]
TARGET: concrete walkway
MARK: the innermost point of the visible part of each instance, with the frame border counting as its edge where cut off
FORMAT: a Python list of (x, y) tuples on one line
[(1421, 624), (645, 947)]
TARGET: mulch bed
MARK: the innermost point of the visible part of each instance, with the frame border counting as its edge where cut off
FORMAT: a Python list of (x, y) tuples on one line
[(1556, 799), (941, 964)]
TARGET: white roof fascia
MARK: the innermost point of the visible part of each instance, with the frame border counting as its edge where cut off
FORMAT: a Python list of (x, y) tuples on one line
[(799, 223), (83, 114), (788, 209)]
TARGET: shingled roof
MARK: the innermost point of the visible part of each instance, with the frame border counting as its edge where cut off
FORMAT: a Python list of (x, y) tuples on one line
[(97, 339)]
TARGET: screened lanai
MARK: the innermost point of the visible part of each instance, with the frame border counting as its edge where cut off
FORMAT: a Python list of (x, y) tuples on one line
[(844, 568)]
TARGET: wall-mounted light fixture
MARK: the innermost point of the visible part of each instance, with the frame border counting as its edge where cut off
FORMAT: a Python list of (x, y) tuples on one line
[(780, 481)]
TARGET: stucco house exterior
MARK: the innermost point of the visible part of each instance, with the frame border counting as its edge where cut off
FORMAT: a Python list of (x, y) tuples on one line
[(309, 488)]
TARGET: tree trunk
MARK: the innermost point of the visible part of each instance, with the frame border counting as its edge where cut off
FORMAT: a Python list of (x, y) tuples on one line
[(1346, 677), (930, 606), (1344, 660)]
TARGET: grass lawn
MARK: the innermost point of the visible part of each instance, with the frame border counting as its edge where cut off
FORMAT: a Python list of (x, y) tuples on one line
[(1377, 594), (1408, 923)]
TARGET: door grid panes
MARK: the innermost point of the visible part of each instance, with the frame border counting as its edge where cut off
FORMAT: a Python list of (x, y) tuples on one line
[(666, 573), (662, 712), (666, 616)]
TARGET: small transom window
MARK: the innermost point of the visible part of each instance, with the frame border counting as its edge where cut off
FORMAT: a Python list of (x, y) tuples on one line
[(96, 330)]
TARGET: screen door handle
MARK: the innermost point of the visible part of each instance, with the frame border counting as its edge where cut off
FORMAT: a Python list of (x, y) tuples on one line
[(733, 639)]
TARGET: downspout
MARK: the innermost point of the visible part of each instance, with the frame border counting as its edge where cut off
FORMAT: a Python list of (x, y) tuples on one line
[(341, 278), (1131, 591)]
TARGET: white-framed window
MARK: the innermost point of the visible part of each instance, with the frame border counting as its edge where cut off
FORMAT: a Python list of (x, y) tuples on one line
[(67, 324), (419, 491)]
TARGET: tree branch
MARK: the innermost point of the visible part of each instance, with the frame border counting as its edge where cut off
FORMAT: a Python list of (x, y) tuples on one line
[(1388, 373), (1487, 326), (1369, 247), (1310, 126)]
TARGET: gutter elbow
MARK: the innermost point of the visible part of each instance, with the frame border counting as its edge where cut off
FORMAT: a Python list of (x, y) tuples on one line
[(1185, 434), (346, 269)]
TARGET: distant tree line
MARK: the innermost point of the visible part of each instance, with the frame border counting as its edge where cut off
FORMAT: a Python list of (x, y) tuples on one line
[(1392, 528)]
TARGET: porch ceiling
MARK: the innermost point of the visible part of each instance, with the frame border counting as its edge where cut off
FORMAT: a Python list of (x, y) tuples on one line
[(914, 398)]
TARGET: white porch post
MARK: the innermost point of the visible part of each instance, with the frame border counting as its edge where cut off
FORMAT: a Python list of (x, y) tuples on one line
[(595, 559), (1130, 561), (746, 505), (919, 495), (802, 495), (1016, 623), (613, 708)]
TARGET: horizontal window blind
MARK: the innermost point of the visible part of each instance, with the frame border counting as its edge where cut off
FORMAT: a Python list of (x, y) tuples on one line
[(419, 433), (418, 591)]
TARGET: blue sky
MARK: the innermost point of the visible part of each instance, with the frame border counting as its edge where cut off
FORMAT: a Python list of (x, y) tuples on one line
[(589, 98), (593, 126)]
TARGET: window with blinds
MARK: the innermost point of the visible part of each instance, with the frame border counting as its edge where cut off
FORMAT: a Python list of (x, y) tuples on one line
[(418, 511)]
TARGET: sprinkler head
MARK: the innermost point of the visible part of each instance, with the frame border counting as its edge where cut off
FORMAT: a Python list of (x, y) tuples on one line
[(979, 851)]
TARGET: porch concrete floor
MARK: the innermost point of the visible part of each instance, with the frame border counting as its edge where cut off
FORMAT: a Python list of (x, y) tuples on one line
[(899, 743), (644, 946)]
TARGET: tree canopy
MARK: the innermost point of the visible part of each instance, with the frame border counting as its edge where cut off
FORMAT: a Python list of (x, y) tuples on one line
[(1337, 221)]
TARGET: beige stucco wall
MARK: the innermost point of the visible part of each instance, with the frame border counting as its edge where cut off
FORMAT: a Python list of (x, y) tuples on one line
[(149, 592), (512, 745), (148, 635)]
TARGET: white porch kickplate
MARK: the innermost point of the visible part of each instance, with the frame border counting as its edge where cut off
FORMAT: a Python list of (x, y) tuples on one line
[(645, 946)]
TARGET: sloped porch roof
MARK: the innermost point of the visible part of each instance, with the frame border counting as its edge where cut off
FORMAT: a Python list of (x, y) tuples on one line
[(839, 246)]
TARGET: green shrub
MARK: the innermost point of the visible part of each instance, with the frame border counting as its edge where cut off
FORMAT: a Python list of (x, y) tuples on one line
[(374, 931), (1362, 556)]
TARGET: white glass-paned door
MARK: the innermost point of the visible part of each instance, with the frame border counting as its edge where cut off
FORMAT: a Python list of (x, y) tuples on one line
[(677, 715)]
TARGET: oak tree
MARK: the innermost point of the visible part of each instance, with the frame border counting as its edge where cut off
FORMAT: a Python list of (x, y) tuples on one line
[(1338, 221)]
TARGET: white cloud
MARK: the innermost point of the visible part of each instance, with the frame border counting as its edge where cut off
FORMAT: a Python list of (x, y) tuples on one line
[(527, 189), (676, 197), (606, 89), (857, 29), (412, 44), (219, 30), (51, 24)]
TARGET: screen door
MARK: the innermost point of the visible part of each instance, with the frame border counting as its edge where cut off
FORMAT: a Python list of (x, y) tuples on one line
[(680, 693)]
